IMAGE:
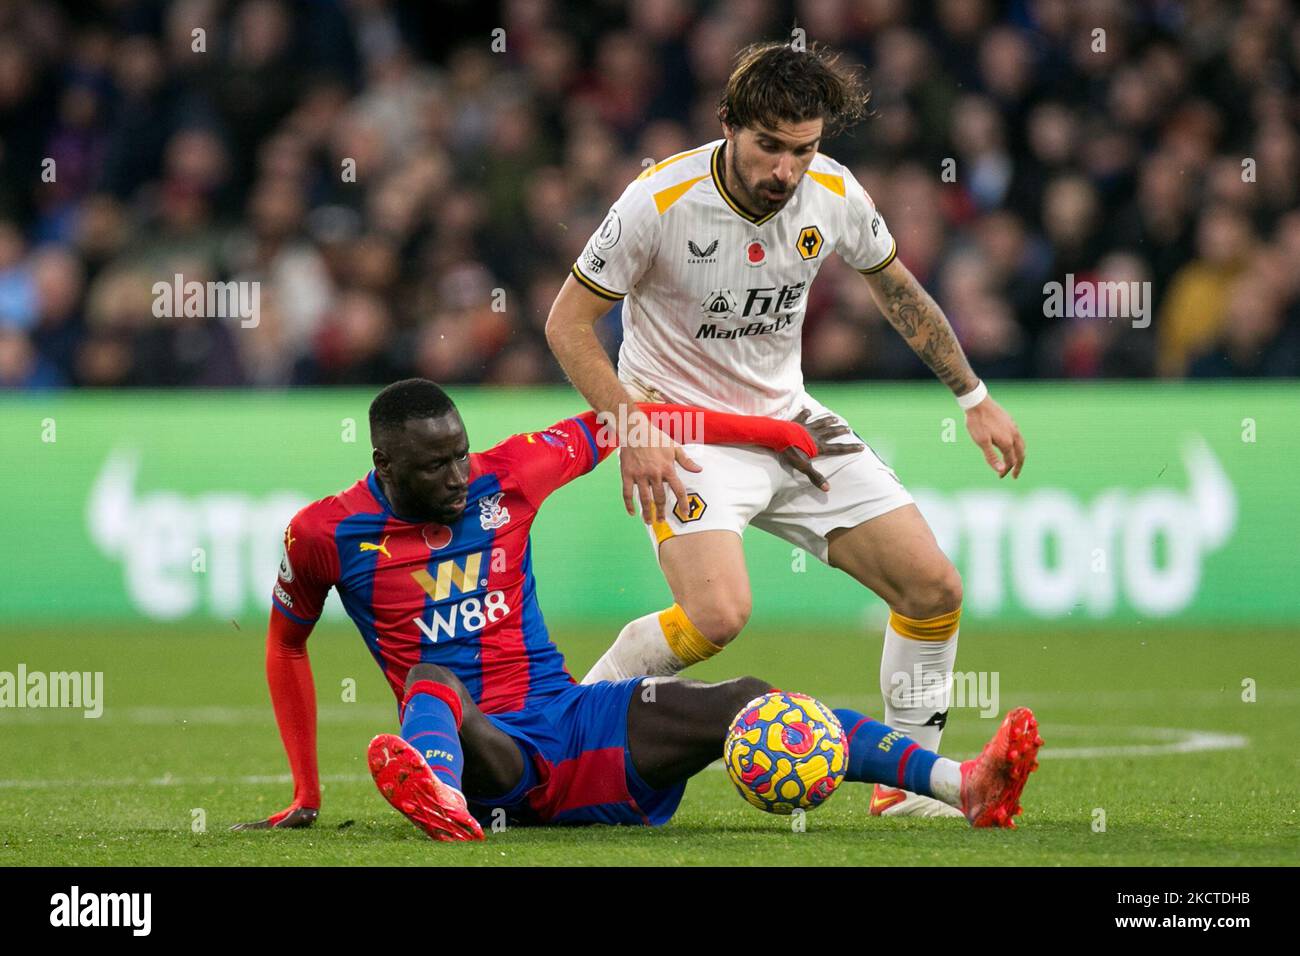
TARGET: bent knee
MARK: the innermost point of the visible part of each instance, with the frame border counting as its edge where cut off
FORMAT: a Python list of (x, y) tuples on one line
[(932, 595), (720, 621), (746, 689), (439, 675), (721, 703)]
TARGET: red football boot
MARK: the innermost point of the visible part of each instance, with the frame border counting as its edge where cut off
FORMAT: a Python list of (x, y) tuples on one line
[(405, 780), (991, 783)]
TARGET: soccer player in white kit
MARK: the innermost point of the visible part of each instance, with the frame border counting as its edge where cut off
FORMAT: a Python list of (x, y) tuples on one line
[(712, 252)]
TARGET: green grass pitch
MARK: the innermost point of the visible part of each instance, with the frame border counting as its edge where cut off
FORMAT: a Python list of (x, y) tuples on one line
[(1145, 724)]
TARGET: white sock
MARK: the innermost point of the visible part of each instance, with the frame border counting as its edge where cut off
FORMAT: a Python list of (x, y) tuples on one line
[(916, 680), (656, 645), (945, 781)]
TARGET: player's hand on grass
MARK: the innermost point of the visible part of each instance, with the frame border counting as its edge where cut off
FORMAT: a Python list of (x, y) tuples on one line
[(992, 428), (648, 464), (822, 431), (287, 819)]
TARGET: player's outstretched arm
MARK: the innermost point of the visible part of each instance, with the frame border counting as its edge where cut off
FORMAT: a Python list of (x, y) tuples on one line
[(293, 696), (920, 321), (798, 442), (822, 430), (647, 464), (546, 460)]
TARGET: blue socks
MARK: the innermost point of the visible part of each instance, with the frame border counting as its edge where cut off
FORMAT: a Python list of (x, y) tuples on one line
[(880, 754), (431, 716)]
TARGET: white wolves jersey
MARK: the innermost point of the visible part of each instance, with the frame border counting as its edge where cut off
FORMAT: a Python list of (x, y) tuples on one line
[(713, 298)]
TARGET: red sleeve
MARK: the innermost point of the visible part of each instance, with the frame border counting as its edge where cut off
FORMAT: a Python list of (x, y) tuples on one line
[(546, 460), (688, 425), (308, 566), (707, 427), (293, 696)]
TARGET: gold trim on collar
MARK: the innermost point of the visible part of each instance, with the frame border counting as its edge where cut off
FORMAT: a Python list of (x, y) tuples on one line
[(715, 167)]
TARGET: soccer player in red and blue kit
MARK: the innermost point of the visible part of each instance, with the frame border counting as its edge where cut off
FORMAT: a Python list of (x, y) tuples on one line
[(431, 557)]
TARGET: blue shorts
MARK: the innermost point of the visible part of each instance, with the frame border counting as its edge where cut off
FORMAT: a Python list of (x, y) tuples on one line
[(580, 768)]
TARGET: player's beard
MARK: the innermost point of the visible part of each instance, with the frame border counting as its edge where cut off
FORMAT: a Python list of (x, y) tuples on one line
[(754, 199)]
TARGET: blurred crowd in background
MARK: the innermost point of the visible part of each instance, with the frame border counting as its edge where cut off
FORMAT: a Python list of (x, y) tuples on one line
[(1172, 157)]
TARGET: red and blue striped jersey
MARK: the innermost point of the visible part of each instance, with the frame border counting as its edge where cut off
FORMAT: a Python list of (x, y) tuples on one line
[(460, 595)]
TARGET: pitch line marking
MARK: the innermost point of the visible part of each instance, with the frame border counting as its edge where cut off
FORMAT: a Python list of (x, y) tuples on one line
[(214, 715), (1173, 740), (167, 780), (209, 716)]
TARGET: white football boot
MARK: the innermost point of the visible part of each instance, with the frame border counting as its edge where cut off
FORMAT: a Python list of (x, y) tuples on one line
[(889, 802)]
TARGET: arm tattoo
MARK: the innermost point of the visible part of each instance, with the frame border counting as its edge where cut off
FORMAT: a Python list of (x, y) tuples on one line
[(920, 321)]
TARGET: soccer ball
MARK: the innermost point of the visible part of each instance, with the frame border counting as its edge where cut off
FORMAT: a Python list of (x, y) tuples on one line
[(785, 752)]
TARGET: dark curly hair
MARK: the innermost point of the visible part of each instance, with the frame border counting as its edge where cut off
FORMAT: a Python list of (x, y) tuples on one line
[(772, 82)]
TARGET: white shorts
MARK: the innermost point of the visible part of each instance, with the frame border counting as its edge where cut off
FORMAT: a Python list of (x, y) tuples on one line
[(742, 485)]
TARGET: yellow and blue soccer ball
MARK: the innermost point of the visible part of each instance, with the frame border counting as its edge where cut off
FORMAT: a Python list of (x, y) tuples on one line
[(786, 752)]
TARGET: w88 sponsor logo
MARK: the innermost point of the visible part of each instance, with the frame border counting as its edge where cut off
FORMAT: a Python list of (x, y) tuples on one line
[(465, 617)]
